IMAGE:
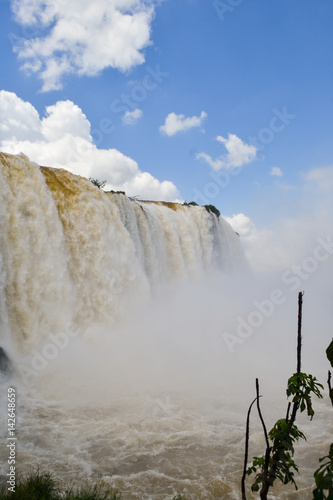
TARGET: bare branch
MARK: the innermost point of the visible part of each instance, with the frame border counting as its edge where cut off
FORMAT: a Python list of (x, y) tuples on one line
[(260, 414), (288, 410), (299, 331), (246, 454), (299, 350), (268, 447)]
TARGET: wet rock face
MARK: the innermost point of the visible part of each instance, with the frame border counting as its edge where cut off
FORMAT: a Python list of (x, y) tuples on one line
[(5, 363)]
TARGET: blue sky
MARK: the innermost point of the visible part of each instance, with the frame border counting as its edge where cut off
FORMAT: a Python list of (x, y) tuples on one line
[(229, 101)]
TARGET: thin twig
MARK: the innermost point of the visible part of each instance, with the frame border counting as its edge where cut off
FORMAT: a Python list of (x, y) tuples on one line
[(270, 475), (299, 331), (268, 447), (260, 414), (288, 410), (299, 350), (246, 454)]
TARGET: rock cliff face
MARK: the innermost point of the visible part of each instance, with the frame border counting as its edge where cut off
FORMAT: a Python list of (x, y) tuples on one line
[(70, 252)]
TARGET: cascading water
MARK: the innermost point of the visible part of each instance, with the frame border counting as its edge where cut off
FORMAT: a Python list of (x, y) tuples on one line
[(70, 252), (113, 312)]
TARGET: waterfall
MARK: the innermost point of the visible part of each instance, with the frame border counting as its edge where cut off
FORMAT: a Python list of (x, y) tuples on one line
[(70, 252), (113, 319)]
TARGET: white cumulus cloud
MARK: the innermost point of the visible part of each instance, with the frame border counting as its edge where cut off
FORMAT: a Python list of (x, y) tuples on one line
[(62, 139), (276, 171), (19, 120), (241, 223), (131, 117), (82, 37), (179, 123), (239, 153)]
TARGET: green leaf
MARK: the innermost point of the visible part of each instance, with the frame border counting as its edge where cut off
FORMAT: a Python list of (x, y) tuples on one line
[(255, 487), (318, 495), (329, 353)]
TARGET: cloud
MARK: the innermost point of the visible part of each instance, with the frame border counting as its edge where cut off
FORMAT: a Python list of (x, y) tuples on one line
[(178, 123), (70, 33), (320, 178), (241, 223), (265, 249), (287, 187), (276, 171), (131, 117), (293, 237), (239, 153), (276, 248), (262, 248), (62, 118), (62, 139), (19, 120)]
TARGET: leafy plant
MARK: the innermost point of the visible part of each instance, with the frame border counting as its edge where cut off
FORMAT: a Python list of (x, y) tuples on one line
[(324, 474), (212, 209), (278, 462), (324, 478), (97, 183), (300, 386)]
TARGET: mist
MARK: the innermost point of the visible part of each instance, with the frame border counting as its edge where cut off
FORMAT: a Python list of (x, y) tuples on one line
[(148, 372)]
